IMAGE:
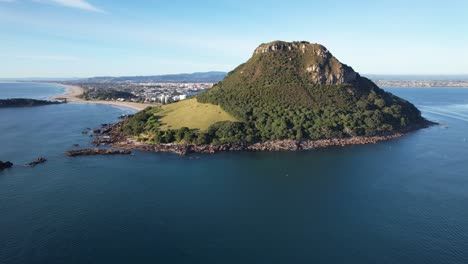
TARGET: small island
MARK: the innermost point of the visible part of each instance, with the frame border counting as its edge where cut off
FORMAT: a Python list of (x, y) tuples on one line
[(36, 162), (5, 165), (23, 102), (287, 96), (97, 151)]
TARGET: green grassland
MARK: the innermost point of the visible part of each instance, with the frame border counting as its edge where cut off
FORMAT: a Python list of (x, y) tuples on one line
[(192, 114), (184, 121)]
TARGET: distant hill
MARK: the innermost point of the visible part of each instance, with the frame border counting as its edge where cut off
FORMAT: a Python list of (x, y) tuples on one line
[(289, 90), (210, 77)]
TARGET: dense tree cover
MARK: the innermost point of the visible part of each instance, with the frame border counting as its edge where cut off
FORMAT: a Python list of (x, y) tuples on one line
[(22, 102), (275, 97)]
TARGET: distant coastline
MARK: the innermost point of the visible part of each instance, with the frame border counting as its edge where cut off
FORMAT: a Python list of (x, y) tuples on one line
[(422, 83), (72, 94)]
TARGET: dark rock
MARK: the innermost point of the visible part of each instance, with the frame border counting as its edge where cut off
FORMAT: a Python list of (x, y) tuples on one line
[(270, 145), (37, 161), (97, 151), (5, 165), (76, 145), (113, 136)]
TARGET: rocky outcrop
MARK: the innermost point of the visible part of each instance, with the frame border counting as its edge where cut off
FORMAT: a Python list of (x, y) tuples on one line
[(323, 74), (112, 135), (321, 66), (271, 145), (5, 165), (287, 46), (97, 151), (36, 162)]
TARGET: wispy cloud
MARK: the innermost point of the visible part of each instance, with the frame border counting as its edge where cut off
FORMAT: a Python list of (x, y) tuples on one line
[(79, 4), (42, 57)]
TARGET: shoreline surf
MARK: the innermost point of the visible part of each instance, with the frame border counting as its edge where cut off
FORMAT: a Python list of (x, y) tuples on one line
[(73, 92)]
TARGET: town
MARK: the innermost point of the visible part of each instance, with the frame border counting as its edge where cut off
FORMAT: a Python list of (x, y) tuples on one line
[(141, 92), (422, 83)]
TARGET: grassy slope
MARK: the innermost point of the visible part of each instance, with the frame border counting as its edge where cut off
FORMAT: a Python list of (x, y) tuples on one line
[(192, 114)]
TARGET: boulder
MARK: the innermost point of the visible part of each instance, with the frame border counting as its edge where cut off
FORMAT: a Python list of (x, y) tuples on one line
[(5, 165), (97, 151), (37, 161)]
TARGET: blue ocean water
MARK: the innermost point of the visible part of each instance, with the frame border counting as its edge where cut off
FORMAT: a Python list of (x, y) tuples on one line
[(402, 201), (29, 90)]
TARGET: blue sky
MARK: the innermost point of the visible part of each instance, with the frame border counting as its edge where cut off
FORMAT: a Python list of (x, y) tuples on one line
[(78, 38)]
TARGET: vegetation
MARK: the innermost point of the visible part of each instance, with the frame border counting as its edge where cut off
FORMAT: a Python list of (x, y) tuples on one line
[(184, 121), (285, 91), (21, 102), (190, 113)]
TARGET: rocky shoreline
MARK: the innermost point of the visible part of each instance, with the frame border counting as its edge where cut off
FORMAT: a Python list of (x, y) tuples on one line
[(271, 145), (110, 135), (97, 151)]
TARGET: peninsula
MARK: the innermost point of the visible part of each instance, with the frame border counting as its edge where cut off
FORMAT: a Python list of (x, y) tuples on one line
[(22, 102), (287, 96)]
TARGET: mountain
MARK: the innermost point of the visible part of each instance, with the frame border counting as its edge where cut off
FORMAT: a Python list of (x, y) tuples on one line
[(286, 90), (209, 77)]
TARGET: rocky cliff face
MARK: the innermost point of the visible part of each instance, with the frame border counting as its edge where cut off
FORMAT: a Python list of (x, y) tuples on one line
[(321, 66)]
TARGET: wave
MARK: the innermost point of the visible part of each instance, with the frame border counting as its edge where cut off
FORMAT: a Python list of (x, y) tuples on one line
[(445, 114), (445, 111)]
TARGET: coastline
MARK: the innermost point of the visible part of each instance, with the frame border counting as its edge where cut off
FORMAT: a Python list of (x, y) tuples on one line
[(73, 92), (265, 146), (111, 135)]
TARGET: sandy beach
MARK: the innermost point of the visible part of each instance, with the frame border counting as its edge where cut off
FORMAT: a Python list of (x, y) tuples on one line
[(73, 92)]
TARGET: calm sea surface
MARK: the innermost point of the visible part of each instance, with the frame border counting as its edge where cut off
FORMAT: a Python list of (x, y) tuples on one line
[(402, 201)]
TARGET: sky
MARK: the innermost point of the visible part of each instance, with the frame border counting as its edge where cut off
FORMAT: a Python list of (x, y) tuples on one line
[(85, 38)]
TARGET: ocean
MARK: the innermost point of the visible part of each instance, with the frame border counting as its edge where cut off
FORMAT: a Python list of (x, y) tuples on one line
[(400, 201)]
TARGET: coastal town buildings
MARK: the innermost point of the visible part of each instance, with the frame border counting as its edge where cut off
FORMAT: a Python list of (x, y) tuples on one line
[(163, 93)]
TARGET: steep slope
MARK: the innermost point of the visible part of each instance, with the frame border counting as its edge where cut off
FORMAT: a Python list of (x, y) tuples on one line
[(299, 90)]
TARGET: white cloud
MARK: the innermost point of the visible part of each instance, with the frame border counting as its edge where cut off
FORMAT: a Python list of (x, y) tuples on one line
[(79, 4)]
